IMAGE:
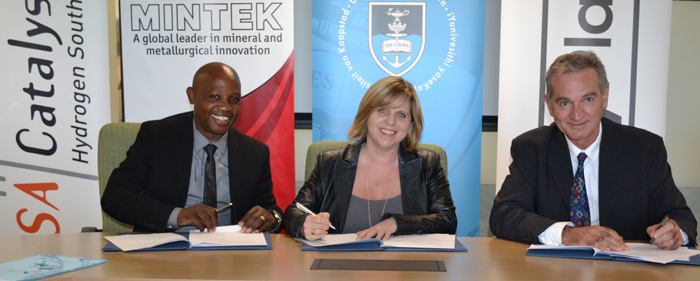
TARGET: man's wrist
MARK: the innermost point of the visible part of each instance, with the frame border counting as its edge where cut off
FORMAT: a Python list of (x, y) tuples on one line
[(685, 236), (172, 220), (277, 217), (553, 234)]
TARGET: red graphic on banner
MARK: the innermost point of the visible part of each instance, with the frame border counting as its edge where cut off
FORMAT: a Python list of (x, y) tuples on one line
[(267, 114), (38, 220), (31, 188)]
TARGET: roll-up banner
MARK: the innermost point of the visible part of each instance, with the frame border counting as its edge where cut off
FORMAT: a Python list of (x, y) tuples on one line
[(435, 45), (631, 37), (165, 42), (55, 79)]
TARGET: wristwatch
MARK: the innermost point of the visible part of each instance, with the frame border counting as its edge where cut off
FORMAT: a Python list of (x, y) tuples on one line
[(277, 217)]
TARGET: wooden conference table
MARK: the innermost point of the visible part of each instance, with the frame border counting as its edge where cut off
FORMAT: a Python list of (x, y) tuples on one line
[(487, 259)]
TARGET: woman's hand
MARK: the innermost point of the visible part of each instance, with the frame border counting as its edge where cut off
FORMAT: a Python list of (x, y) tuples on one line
[(316, 227), (381, 230)]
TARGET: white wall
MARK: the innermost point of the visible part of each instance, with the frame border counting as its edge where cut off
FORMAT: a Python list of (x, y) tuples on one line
[(682, 118), (114, 60), (302, 140), (302, 56)]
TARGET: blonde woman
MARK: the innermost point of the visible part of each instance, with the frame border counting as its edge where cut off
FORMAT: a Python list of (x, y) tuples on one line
[(382, 184)]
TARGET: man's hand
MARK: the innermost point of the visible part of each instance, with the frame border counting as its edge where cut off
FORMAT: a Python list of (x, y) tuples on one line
[(316, 227), (258, 220), (668, 237), (200, 215), (382, 230), (600, 237)]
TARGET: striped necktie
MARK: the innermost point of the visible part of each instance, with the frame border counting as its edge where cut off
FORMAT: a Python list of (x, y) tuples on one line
[(209, 195)]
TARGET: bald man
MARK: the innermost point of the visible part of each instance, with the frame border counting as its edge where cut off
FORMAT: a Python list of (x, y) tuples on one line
[(181, 168)]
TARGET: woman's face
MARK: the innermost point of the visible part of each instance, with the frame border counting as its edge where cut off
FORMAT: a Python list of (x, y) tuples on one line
[(387, 127)]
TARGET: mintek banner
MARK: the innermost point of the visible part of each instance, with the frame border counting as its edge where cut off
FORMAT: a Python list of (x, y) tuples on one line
[(631, 37), (435, 45), (55, 79), (165, 42)]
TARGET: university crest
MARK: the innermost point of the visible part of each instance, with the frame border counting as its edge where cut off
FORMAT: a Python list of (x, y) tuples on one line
[(396, 35)]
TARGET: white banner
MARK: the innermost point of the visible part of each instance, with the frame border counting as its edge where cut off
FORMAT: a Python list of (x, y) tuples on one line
[(55, 78), (631, 37), (165, 42)]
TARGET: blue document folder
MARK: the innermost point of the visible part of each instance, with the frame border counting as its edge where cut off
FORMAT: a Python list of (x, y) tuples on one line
[(185, 245), (374, 245), (589, 254)]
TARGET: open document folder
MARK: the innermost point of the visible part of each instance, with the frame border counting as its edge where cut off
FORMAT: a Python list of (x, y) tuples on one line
[(416, 242), (225, 238), (637, 252)]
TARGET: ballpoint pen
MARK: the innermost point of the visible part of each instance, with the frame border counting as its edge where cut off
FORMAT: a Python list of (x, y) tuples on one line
[(663, 222), (224, 208), (306, 210)]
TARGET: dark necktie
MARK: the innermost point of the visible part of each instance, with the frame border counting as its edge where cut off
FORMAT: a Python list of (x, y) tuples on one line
[(210, 177), (580, 212)]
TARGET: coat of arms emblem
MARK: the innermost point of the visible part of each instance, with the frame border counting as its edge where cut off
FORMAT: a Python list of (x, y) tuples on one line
[(396, 35)]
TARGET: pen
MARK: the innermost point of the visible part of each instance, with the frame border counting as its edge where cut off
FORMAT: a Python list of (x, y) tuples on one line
[(306, 210), (224, 208), (663, 222)]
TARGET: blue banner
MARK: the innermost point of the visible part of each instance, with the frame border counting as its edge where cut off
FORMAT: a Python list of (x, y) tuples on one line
[(435, 45)]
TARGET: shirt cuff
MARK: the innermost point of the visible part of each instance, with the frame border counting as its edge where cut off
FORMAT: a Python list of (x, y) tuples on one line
[(172, 220), (552, 235), (685, 237)]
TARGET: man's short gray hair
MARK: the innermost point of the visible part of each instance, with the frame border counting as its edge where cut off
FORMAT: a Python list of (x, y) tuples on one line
[(575, 62)]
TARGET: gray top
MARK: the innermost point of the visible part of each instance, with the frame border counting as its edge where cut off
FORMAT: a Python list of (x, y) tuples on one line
[(357, 212)]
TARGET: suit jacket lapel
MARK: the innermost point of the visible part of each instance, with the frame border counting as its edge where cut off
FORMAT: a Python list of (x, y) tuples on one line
[(235, 166), (181, 153), (344, 180), (610, 166), (409, 168), (559, 165)]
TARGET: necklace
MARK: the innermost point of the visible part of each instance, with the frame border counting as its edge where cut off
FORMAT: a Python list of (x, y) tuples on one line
[(393, 171), (376, 184)]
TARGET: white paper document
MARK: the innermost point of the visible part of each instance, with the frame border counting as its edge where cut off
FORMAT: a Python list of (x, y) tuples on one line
[(652, 253), (132, 242), (427, 241), (638, 251), (224, 236), (431, 241)]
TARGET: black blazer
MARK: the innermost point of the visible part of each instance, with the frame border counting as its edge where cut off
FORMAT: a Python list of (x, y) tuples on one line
[(425, 192), (154, 178), (636, 188)]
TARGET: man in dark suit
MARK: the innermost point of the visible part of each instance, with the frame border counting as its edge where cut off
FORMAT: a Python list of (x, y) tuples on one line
[(182, 167), (585, 180)]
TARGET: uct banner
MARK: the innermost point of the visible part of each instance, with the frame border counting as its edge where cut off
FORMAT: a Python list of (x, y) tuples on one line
[(631, 37), (55, 78), (437, 46), (165, 42)]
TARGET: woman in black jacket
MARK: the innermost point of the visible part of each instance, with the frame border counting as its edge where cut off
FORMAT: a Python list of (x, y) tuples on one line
[(382, 184)]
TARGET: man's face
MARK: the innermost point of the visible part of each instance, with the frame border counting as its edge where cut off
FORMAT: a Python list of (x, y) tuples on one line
[(216, 96), (577, 105)]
